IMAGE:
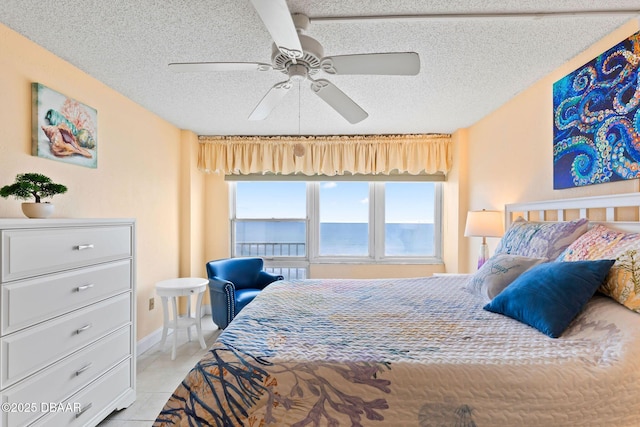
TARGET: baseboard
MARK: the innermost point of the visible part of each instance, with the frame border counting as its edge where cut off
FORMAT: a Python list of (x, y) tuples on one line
[(149, 341), (154, 337)]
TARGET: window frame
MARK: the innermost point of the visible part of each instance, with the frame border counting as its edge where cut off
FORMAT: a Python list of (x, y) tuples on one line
[(376, 230), (295, 262)]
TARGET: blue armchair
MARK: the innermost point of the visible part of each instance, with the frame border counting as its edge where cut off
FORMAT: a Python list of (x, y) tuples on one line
[(233, 283)]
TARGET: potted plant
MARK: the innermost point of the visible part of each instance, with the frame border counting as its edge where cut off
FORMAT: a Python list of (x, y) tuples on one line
[(34, 185)]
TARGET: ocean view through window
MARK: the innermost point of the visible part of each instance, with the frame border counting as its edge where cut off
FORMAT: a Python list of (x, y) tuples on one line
[(293, 223), (274, 239), (344, 218), (409, 219)]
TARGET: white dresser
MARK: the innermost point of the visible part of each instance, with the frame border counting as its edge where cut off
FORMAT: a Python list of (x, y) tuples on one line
[(67, 320)]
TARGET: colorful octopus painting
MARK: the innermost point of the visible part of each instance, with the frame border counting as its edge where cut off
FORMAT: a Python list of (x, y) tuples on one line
[(596, 133)]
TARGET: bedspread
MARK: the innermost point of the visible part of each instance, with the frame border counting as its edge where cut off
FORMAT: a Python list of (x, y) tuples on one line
[(418, 352)]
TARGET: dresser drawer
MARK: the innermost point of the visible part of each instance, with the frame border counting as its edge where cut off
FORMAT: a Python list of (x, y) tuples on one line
[(69, 376), (99, 396), (27, 253), (34, 348), (27, 302)]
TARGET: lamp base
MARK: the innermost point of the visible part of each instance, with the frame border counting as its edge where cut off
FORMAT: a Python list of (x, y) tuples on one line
[(483, 255)]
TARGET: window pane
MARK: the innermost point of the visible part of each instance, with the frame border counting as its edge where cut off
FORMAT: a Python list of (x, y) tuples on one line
[(271, 199), (409, 218), (270, 238), (344, 218), (270, 219)]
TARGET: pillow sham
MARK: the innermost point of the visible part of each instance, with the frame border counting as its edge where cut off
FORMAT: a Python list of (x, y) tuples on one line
[(540, 239), (601, 242), (549, 296), (498, 272)]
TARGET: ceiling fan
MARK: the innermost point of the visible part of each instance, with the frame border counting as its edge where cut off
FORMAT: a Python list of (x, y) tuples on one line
[(301, 57)]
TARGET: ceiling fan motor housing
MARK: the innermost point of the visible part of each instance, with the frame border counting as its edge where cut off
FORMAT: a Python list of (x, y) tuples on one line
[(312, 53), (297, 72)]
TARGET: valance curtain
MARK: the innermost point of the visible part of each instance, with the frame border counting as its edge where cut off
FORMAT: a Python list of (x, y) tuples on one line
[(325, 155)]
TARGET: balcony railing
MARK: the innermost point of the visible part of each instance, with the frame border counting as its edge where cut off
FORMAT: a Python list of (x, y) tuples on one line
[(269, 250), (293, 249), (288, 272)]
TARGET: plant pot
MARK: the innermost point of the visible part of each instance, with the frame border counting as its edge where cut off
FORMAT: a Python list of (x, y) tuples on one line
[(37, 210)]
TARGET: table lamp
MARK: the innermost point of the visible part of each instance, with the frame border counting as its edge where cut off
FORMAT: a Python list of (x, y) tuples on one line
[(483, 224)]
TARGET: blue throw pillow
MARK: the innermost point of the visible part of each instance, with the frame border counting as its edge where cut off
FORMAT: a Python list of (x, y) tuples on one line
[(549, 296)]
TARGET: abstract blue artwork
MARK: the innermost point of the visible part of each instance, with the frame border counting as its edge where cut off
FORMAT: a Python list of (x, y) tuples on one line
[(596, 119)]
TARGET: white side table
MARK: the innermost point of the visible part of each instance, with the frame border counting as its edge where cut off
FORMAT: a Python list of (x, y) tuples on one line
[(172, 289)]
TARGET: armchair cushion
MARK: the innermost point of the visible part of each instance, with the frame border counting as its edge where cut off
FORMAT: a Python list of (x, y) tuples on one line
[(233, 283), (244, 297)]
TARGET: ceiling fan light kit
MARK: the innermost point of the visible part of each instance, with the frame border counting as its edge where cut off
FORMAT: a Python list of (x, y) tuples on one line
[(300, 57)]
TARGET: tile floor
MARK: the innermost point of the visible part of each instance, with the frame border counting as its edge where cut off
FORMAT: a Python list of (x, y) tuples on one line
[(158, 376)]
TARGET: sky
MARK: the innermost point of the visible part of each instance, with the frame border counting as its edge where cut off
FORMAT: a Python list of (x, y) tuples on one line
[(340, 201)]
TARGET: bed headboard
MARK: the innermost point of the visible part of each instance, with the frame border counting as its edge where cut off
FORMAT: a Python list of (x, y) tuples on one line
[(619, 211)]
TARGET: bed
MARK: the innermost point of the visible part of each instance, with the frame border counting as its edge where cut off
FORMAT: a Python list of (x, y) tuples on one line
[(424, 351)]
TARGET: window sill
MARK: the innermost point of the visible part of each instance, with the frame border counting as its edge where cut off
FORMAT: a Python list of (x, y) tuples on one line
[(386, 261)]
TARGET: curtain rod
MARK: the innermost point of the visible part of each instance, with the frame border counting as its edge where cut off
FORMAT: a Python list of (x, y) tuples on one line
[(328, 136), (500, 15)]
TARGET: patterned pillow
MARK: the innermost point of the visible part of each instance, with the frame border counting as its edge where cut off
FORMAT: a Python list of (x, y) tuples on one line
[(623, 281), (540, 239), (498, 272)]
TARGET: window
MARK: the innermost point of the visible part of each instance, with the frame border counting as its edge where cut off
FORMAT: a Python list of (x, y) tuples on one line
[(381, 221), (266, 224), (290, 223), (344, 218), (409, 219)]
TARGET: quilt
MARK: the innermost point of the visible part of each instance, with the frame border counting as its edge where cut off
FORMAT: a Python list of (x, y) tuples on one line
[(414, 352)]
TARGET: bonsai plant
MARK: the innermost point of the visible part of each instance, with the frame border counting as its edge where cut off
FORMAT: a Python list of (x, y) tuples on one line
[(36, 186)]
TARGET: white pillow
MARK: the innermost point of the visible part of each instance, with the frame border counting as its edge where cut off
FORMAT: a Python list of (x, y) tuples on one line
[(498, 273)]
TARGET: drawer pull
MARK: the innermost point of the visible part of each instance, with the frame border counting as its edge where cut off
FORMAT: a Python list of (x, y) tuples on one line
[(84, 287), (83, 410), (83, 247), (84, 368), (84, 328)]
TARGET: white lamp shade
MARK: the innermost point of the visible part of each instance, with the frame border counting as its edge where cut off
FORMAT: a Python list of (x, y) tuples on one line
[(484, 224)]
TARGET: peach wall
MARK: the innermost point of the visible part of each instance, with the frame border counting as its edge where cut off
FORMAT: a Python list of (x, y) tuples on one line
[(510, 150), (454, 205), (217, 227), (138, 174), (192, 209)]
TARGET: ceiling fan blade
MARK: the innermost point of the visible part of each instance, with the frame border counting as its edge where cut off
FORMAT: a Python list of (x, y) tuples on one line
[(340, 102), (186, 67), (270, 100), (396, 63), (277, 18)]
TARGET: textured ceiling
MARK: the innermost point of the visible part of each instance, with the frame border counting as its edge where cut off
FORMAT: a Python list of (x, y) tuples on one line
[(469, 65)]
